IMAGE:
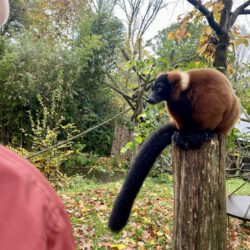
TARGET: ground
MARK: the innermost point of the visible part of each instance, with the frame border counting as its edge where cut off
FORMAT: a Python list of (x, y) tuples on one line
[(89, 203)]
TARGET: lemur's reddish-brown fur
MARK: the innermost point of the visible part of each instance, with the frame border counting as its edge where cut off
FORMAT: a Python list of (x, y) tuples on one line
[(214, 104), (201, 102)]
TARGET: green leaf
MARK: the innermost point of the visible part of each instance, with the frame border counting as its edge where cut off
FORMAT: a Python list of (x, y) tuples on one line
[(138, 139), (129, 145)]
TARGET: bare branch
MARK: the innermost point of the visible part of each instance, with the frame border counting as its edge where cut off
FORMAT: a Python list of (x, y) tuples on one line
[(98, 6), (113, 6), (131, 9), (185, 59), (209, 15), (245, 12), (122, 5), (125, 55), (124, 95), (157, 6), (116, 89), (133, 67), (239, 11), (137, 22)]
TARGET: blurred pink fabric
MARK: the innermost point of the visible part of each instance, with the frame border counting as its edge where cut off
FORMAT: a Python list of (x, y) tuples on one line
[(32, 217)]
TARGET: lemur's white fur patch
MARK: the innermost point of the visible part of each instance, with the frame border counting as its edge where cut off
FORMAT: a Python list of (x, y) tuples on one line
[(184, 80)]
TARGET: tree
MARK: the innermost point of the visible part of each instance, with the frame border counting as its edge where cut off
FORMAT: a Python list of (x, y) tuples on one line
[(222, 24), (139, 15), (68, 59), (173, 51), (199, 197), (97, 37)]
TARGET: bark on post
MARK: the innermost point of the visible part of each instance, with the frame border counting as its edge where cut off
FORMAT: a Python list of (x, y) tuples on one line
[(199, 197)]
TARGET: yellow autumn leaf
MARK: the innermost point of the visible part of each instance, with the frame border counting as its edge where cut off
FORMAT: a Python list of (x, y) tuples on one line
[(171, 35), (197, 64), (209, 4), (103, 207), (217, 11), (203, 38), (246, 42), (81, 203), (135, 214), (132, 242), (118, 246), (207, 30), (159, 234), (202, 49), (147, 220), (84, 210), (230, 69), (183, 32)]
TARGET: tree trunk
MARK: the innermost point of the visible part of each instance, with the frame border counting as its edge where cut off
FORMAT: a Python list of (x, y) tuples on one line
[(220, 60), (199, 197)]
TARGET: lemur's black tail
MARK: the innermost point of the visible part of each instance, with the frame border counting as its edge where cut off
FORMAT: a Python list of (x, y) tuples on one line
[(140, 168)]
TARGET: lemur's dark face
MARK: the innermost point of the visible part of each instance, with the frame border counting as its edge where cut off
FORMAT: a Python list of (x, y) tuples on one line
[(160, 90)]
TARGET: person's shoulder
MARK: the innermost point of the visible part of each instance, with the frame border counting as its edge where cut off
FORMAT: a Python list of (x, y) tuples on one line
[(31, 203), (16, 173)]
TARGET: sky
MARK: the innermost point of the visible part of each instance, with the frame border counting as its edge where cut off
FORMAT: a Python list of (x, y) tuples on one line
[(169, 15)]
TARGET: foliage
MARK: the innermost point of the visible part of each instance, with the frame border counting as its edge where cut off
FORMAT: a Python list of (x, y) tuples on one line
[(108, 166), (89, 211), (240, 79), (70, 57), (211, 35), (237, 153), (93, 166), (47, 128), (187, 42), (35, 68), (234, 134), (150, 225), (152, 118), (149, 120), (91, 101), (238, 141)]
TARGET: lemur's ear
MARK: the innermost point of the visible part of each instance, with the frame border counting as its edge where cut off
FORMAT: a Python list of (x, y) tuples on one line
[(179, 79), (4, 11)]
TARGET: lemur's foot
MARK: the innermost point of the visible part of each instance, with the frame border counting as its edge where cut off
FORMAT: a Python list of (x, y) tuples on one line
[(192, 139), (181, 140)]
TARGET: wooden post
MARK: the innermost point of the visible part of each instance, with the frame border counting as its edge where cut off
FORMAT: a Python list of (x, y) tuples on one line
[(200, 197)]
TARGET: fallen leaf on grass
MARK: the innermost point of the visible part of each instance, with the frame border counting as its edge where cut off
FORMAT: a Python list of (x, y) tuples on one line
[(118, 246)]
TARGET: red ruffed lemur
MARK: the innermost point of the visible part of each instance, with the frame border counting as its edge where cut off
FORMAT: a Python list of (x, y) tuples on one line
[(201, 103)]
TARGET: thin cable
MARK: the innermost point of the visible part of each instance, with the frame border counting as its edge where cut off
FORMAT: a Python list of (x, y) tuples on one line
[(79, 135)]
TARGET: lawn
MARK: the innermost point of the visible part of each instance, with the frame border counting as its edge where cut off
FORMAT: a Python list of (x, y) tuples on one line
[(89, 203)]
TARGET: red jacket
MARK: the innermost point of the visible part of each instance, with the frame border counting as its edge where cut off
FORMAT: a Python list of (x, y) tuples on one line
[(32, 217)]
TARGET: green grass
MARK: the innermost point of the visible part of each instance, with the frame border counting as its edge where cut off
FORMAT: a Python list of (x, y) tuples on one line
[(233, 184), (80, 184), (150, 226)]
